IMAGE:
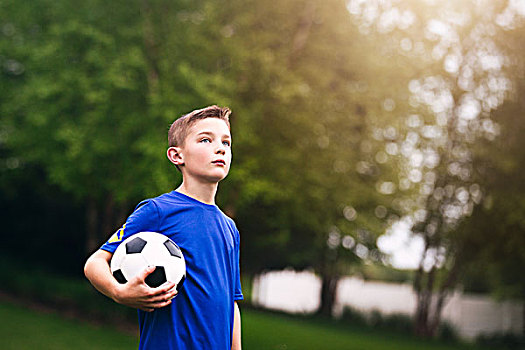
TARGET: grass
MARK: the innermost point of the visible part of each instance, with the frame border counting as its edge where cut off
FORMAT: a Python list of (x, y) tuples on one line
[(263, 330), (29, 329)]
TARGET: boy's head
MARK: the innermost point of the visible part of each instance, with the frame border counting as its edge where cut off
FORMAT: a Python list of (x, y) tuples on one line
[(200, 144), (180, 127)]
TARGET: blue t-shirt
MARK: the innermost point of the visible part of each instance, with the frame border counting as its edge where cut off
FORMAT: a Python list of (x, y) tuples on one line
[(201, 315)]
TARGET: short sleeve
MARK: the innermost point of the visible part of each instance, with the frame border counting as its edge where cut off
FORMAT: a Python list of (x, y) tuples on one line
[(238, 290), (145, 217)]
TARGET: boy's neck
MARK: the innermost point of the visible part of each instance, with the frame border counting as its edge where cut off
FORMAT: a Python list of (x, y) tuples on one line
[(203, 192)]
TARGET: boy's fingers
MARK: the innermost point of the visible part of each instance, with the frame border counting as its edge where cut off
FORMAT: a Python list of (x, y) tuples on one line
[(163, 304), (142, 276), (160, 303), (154, 304), (164, 297), (172, 294), (164, 288)]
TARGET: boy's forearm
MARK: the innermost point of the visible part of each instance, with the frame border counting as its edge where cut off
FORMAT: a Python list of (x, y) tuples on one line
[(98, 273), (135, 293), (236, 338)]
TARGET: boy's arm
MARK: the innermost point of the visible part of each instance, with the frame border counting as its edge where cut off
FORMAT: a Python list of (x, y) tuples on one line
[(135, 293), (236, 339)]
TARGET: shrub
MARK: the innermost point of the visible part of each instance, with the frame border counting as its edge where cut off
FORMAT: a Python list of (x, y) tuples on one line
[(447, 332), (353, 316), (399, 323), (502, 341)]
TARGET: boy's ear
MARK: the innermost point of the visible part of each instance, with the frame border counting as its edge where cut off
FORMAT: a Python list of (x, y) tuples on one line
[(175, 156)]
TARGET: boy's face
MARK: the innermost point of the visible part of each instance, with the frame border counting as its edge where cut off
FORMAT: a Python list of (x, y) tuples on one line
[(206, 154)]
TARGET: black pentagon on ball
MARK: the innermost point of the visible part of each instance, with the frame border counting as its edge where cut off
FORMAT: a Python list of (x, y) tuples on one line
[(135, 245), (119, 276), (173, 248), (157, 277)]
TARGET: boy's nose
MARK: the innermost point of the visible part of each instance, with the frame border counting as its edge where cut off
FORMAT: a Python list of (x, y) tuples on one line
[(221, 150)]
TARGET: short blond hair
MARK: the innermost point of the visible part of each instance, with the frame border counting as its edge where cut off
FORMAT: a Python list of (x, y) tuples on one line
[(180, 128)]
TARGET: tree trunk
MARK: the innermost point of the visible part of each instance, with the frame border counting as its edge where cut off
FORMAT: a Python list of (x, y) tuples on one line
[(91, 226), (424, 284), (330, 277), (435, 320), (423, 305), (328, 290), (108, 219), (428, 314), (101, 222), (429, 304), (444, 291)]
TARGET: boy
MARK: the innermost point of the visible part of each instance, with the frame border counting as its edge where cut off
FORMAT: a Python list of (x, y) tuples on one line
[(204, 313)]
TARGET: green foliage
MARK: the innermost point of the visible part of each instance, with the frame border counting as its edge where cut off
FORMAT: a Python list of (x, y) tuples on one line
[(30, 283), (398, 323), (39, 219), (446, 192), (381, 272), (80, 105), (498, 220), (353, 316), (501, 341), (88, 90), (91, 89), (303, 119), (395, 322)]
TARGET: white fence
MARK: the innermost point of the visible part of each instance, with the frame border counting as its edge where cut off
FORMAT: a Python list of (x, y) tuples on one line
[(299, 292)]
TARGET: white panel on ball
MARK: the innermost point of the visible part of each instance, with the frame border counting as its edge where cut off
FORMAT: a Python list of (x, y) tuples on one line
[(149, 249), (132, 265)]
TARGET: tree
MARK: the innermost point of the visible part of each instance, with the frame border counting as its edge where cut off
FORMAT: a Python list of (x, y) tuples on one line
[(299, 77), (455, 89), (307, 90), (459, 186), (90, 97), (496, 232)]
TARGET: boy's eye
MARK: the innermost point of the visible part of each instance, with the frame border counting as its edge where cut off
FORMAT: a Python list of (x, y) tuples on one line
[(226, 143), (205, 140)]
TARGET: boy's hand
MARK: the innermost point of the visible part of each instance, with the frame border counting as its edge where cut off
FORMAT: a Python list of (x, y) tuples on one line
[(137, 294)]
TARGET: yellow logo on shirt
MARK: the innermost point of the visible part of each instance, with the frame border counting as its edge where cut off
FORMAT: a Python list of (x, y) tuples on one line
[(117, 236)]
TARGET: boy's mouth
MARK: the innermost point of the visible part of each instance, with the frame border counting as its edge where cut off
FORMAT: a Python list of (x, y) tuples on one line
[(219, 162)]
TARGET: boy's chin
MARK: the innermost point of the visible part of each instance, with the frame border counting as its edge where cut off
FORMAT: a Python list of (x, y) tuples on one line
[(220, 178), (216, 178)]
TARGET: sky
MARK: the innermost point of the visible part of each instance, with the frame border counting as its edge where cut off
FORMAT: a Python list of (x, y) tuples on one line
[(404, 248)]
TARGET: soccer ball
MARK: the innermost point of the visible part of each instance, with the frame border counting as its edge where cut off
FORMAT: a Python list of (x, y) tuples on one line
[(145, 249)]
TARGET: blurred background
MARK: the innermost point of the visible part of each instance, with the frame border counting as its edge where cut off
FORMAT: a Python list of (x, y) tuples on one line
[(377, 172)]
